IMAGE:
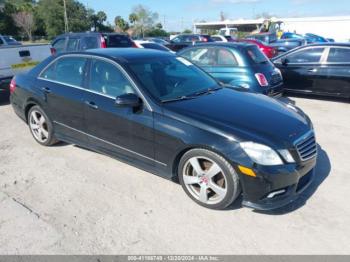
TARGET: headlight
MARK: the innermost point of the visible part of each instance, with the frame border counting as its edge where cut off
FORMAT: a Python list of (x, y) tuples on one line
[(286, 155), (261, 154)]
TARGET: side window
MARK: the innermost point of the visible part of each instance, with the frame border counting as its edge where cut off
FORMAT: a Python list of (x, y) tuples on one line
[(67, 70), (1, 42), (89, 43), (201, 56), (178, 39), (226, 58), (216, 39), (72, 44), (309, 55), (59, 45), (107, 79), (339, 55)]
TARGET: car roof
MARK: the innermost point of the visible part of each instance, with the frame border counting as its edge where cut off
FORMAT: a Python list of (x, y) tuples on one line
[(226, 44), (126, 54), (89, 33), (330, 44)]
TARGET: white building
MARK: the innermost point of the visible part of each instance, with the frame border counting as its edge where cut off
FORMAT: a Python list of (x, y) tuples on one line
[(336, 27)]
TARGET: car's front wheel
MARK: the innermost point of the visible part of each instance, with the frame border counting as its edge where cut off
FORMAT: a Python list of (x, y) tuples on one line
[(41, 126), (208, 179)]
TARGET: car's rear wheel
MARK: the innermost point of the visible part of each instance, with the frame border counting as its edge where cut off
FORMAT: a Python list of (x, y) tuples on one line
[(208, 179), (41, 126)]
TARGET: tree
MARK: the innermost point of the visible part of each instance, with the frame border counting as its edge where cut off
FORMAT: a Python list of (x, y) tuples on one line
[(7, 25), (187, 31), (102, 17), (25, 21), (121, 24), (145, 19), (133, 18)]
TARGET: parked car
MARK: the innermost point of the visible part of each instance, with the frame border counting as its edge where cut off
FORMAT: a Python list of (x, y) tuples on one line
[(241, 65), (157, 40), (221, 38), (90, 40), (151, 45), (162, 113), (182, 41), (6, 40), (281, 45), (320, 69), (309, 38), (269, 51)]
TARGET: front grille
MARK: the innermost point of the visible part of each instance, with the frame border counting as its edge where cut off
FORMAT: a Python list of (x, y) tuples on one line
[(307, 147), (276, 78)]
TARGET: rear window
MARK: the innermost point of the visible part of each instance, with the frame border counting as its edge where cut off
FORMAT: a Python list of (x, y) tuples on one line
[(339, 55), (256, 55), (9, 39), (155, 46), (117, 41)]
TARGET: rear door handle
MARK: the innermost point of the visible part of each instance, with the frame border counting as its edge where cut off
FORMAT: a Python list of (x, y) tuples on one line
[(46, 90), (91, 104)]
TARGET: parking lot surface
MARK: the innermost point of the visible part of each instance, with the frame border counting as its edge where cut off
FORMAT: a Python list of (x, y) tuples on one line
[(68, 200)]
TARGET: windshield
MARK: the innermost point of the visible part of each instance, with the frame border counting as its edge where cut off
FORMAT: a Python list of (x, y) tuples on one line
[(118, 41), (256, 55), (171, 78)]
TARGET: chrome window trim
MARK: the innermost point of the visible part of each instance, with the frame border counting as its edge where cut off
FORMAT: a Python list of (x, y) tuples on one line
[(88, 56), (301, 50), (104, 141)]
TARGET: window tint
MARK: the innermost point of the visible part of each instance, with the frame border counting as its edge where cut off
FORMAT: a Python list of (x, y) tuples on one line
[(72, 44), (10, 39), (117, 41), (226, 58), (339, 55), (59, 45), (201, 56), (107, 79), (171, 77), (216, 38), (256, 55), (67, 70), (1, 42), (178, 39), (309, 55), (89, 43)]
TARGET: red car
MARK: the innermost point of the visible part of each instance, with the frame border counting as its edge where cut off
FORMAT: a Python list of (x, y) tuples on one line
[(269, 51)]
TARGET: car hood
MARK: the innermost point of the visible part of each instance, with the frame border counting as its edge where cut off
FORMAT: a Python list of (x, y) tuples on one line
[(244, 116)]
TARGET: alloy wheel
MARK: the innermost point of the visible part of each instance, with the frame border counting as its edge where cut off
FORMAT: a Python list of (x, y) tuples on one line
[(38, 126), (205, 180)]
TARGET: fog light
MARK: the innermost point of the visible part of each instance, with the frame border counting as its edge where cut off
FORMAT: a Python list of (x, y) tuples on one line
[(247, 171), (276, 193)]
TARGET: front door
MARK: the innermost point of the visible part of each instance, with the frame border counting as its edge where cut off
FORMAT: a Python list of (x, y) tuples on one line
[(302, 70), (124, 131)]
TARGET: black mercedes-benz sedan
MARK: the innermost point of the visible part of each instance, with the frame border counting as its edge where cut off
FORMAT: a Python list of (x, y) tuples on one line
[(163, 114), (319, 69)]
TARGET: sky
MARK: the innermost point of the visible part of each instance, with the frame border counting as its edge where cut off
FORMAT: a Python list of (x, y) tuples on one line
[(177, 15)]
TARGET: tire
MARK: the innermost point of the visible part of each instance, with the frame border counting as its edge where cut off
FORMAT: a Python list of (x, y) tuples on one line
[(208, 179), (41, 127)]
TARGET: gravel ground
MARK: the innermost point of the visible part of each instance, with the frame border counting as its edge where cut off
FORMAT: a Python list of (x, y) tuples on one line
[(67, 200)]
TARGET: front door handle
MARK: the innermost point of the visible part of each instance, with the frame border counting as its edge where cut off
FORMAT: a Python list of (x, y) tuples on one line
[(46, 90), (91, 104), (312, 70)]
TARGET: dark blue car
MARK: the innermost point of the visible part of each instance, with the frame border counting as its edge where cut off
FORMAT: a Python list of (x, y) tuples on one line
[(161, 113), (241, 65)]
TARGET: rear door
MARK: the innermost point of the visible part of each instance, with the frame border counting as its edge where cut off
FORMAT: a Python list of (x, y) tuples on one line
[(301, 72), (336, 72), (122, 131), (62, 86)]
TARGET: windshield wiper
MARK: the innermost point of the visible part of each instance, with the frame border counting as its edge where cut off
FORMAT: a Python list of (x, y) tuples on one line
[(206, 91), (176, 99)]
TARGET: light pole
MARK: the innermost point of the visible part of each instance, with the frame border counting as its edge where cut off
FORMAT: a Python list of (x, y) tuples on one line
[(66, 29)]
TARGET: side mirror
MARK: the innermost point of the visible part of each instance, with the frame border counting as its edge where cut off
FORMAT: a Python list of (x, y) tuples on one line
[(128, 100), (284, 61)]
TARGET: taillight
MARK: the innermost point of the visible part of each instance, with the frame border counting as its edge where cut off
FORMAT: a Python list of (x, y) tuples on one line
[(261, 79), (133, 44), (103, 42), (204, 39), (53, 51), (12, 86)]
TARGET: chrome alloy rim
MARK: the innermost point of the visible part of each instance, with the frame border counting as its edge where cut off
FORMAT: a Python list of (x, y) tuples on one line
[(205, 180), (38, 126)]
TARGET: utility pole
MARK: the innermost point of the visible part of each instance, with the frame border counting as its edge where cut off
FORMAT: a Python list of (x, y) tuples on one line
[(66, 28)]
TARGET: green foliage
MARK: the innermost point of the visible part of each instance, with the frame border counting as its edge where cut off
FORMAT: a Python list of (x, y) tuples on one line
[(121, 24), (187, 31), (145, 19), (7, 25)]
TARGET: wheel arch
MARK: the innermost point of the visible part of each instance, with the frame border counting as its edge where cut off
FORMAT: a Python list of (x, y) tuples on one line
[(29, 104)]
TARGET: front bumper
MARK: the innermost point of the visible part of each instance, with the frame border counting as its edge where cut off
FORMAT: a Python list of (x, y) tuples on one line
[(278, 186), (275, 91)]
